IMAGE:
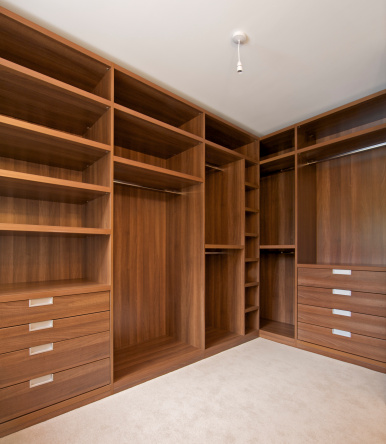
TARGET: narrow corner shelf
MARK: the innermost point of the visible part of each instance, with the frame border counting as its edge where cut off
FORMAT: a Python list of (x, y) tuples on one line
[(277, 328), (277, 247), (150, 176), (276, 164), (251, 284), (223, 247), (251, 235), (250, 308), (251, 186), (218, 155), (251, 259), (251, 210)]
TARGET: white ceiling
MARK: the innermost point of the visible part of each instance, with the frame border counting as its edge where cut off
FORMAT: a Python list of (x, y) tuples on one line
[(303, 56)]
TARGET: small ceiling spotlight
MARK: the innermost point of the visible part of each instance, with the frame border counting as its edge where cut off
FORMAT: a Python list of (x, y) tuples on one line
[(239, 37)]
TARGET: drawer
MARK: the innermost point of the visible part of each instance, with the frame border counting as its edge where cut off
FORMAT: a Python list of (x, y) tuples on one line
[(367, 303), (363, 281), (31, 363), (361, 324), (38, 310), (30, 335), (26, 397), (357, 344)]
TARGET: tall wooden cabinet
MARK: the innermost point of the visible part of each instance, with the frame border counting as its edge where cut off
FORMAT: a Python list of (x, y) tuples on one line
[(128, 228), (323, 193)]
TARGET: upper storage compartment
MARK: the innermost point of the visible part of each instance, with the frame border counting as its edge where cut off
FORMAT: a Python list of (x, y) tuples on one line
[(277, 144), (147, 99), (30, 46)]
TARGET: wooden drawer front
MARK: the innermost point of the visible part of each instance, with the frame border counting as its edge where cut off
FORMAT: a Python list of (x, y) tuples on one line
[(361, 324), (20, 366), (364, 281), (367, 303), (20, 399), (30, 335), (20, 312), (357, 345)]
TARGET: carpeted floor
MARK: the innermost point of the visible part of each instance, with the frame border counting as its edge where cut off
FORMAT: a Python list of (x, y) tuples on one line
[(259, 392)]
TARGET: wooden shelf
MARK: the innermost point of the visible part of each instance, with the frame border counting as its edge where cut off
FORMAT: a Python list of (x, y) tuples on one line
[(218, 155), (34, 143), (277, 164), (31, 186), (277, 247), (251, 284), (215, 337), (251, 235), (250, 161), (341, 145), (251, 186), (50, 229), (137, 132), (141, 174), (277, 328), (138, 363), (251, 259), (134, 93), (39, 99), (17, 291), (223, 247), (51, 56), (251, 210), (278, 144), (250, 308)]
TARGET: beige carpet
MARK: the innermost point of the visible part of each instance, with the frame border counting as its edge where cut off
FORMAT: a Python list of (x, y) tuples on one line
[(259, 392)]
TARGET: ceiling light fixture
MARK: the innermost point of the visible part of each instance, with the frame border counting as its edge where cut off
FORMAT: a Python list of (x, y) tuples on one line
[(239, 37)]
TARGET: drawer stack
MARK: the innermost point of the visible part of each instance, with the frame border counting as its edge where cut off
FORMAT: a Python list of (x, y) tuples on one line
[(52, 349), (344, 310)]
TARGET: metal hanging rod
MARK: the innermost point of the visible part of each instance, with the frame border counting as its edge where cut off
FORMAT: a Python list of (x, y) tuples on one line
[(359, 150), (129, 184), (213, 167)]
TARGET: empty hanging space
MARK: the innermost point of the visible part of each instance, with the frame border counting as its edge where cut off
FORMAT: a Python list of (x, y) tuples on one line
[(56, 58), (158, 275), (37, 99), (136, 94)]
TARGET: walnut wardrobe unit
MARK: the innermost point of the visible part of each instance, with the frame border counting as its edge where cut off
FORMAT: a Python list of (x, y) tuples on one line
[(129, 231)]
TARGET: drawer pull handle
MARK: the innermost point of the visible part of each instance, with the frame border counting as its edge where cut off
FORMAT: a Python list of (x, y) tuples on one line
[(347, 334), (40, 381), (341, 292), (341, 312), (41, 325), (40, 302), (41, 349), (337, 271)]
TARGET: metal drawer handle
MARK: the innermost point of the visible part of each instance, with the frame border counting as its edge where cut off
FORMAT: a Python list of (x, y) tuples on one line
[(337, 271), (40, 302), (341, 292), (40, 381), (41, 349), (341, 312), (347, 334), (41, 325)]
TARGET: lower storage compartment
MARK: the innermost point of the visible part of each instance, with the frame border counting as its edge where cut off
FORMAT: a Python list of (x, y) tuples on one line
[(52, 357), (374, 326), (20, 399), (352, 343)]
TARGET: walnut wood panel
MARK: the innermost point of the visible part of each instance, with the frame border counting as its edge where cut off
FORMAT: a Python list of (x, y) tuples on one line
[(277, 208), (20, 399), (223, 133), (279, 143), (19, 366), (362, 324), (250, 151), (19, 312), (28, 97), (140, 257), (277, 164), (101, 130), (133, 132), (19, 42), (98, 259), (186, 266), (351, 211), (20, 337), (219, 155), (190, 161), (277, 273), (277, 331), (139, 157), (224, 292), (42, 146), (363, 281), (252, 320), (142, 97), (367, 303), (358, 116), (224, 205), (150, 176), (366, 346)]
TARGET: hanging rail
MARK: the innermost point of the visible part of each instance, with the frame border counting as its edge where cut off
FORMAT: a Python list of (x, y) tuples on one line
[(359, 150), (213, 167), (129, 184)]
